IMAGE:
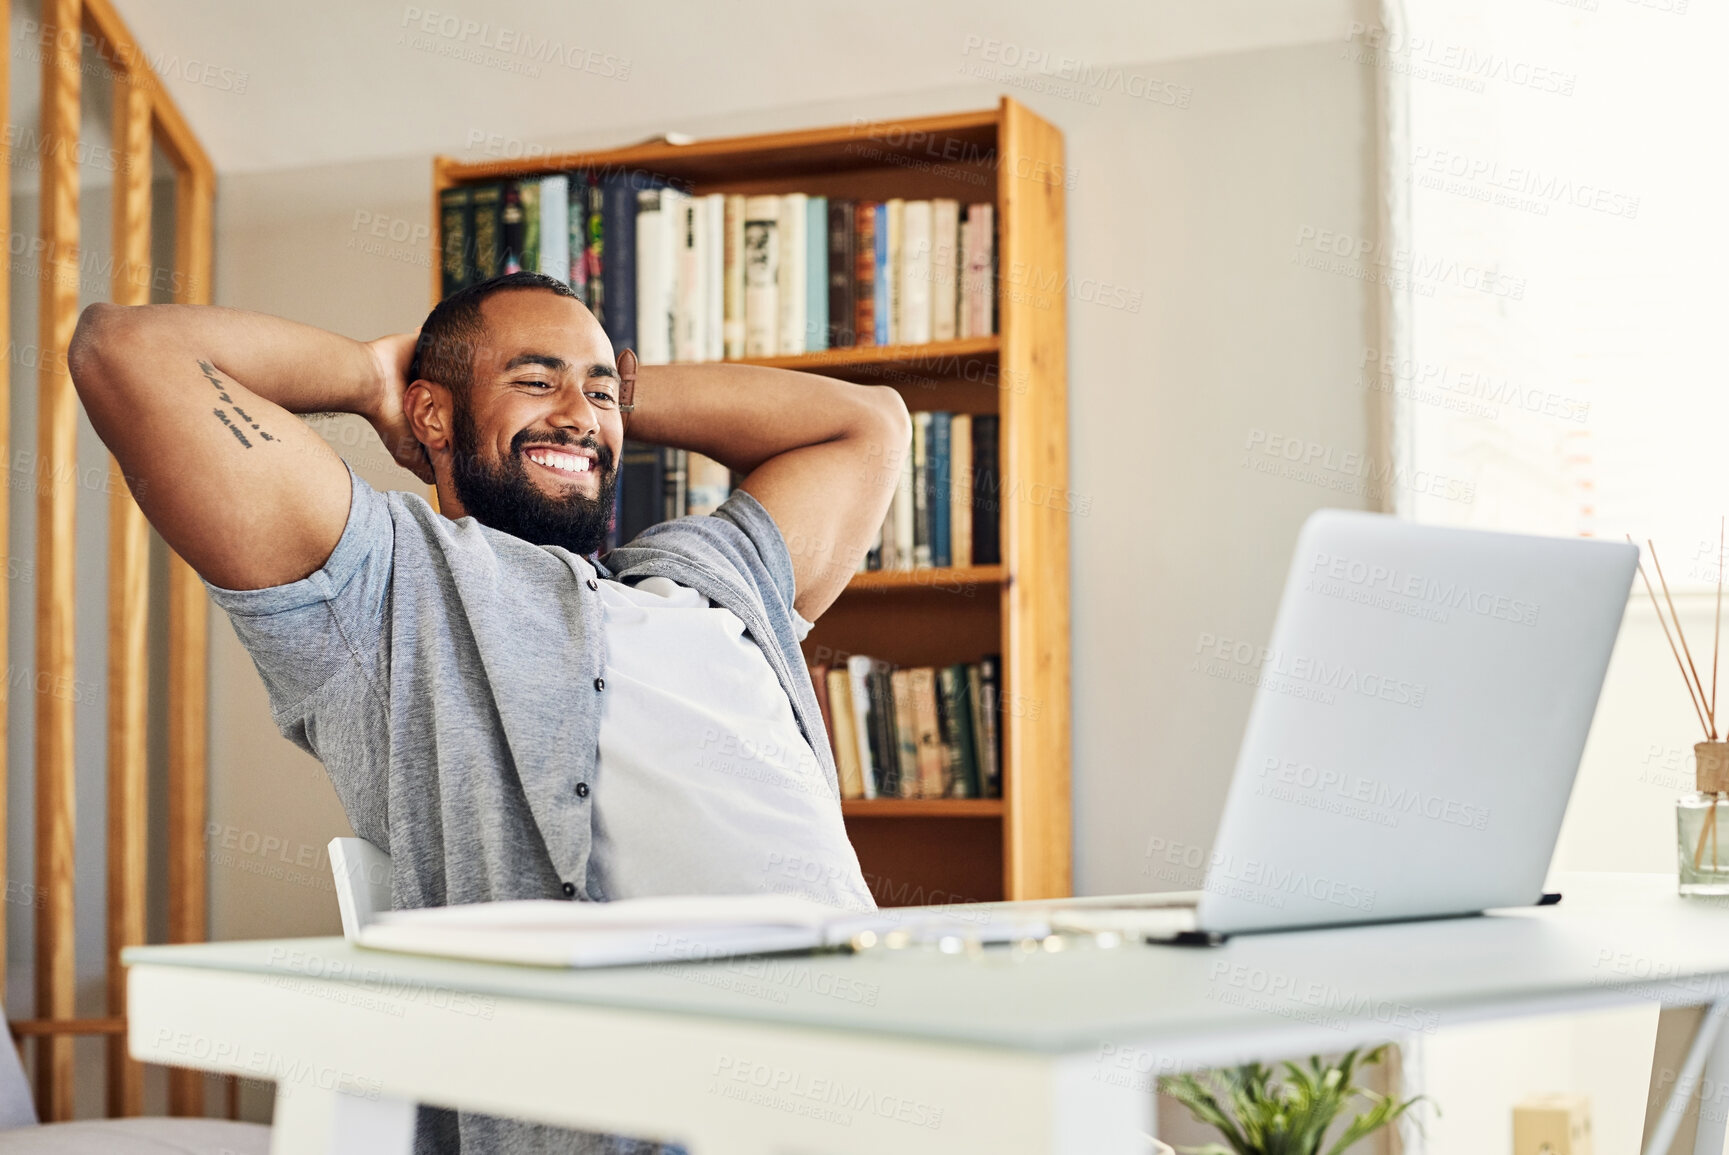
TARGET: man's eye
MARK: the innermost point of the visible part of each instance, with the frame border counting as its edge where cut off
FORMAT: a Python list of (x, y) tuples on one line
[(603, 396), (544, 384)]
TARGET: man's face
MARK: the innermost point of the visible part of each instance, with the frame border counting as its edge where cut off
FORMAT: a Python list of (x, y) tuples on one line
[(535, 448)]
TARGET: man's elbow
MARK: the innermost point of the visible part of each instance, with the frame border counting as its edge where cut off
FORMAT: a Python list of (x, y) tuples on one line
[(96, 333)]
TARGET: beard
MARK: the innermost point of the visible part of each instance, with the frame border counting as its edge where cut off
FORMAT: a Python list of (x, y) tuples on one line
[(505, 498)]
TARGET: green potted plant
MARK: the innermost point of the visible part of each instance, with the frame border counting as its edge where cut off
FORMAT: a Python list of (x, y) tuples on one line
[(1258, 1116)]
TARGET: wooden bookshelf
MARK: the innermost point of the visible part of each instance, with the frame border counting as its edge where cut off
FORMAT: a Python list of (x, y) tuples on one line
[(939, 849)]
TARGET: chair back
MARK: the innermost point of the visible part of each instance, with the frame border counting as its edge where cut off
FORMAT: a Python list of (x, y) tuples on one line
[(362, 873)]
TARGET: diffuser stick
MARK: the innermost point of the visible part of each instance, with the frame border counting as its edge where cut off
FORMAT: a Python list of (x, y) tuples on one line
[(1717, 625), (1691, 697), (1710, 718)]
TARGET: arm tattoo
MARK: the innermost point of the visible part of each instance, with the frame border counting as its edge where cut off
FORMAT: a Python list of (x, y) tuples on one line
[(209, 372)]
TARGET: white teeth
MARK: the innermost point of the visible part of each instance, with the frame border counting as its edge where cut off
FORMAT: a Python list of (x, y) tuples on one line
[(569, 462)]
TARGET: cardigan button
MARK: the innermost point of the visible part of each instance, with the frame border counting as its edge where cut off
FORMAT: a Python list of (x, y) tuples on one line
[(600, 683), (582, 790), (592, 584), (569, 889)]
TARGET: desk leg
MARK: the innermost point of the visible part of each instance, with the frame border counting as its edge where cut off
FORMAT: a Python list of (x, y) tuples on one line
[(315, 1121), (1692, 1053)]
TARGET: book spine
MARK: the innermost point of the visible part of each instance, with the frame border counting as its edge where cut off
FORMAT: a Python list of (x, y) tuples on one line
[(905, 510), (945, 268), (794, 209), (762, 252), (690, 307), (529, 191), (594, 293), (939, 488), (816, 275), (654, 266), (982, 266), (707, 484), (921, 490), (618, 262), (858, 669), (639, 482), (455, 220), (511, 232), (890, 783), (555, 227), (576, 235), (961, 490), (733, 256), (488, 202), (714, 265), (844, 736), (987, 498), (990, 699), (893, 270), (882, 275), (864, 329), (916, 271), (932, 762), (955, 719), (674, 471), (976, 709), (906, 734), (841, 231)]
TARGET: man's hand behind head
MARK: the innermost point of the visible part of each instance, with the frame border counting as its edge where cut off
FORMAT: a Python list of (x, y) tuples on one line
[(392, 355)]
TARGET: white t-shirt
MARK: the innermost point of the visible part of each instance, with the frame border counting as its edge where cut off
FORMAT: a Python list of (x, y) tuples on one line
[(705, 784)]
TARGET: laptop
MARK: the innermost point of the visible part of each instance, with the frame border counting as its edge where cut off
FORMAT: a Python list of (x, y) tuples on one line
[(1419, 716)]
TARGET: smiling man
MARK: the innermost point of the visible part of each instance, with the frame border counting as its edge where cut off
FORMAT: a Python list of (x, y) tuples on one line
[(506, 716)]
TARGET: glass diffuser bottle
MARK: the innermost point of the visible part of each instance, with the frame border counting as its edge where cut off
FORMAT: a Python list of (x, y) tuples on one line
[(1702, 821)]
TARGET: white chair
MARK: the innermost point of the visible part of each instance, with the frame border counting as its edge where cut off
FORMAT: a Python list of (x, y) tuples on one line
[(362, 873), (21, 1134)]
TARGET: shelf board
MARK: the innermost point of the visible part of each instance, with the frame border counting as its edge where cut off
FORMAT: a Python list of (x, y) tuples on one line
[(926, 577), (926, 358), (921, 807)]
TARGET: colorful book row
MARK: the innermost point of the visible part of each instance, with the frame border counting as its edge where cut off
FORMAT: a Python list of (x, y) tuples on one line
[(945, 508), (923, 732)]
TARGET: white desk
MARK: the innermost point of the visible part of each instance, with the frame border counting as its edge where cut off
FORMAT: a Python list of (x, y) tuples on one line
[(911, 1051)]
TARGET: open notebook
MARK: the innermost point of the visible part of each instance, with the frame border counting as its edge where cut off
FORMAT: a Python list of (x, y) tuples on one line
[(690, 928)]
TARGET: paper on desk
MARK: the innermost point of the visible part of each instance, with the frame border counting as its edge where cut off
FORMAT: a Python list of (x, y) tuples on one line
[(684, 928)]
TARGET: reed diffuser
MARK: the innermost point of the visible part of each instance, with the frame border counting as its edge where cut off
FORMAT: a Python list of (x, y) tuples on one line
[(1700, 821)]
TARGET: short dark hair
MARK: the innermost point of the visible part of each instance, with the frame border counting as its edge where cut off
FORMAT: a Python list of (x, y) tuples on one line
[(445, 351)]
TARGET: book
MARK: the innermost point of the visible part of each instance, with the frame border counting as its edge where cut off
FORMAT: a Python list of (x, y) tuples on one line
[(690, 293), (707, 484), (511, 229), (576, 235), (488, 204), (886, 735), (858, 668), (842, 229), (960, 490), (881, 275), (617, 299), (790, 285), (555, 932), (891, 269), (864, 273), (978, 258), (916, 270), (639, 483), (906, 737), (844, 736), (529, 192), (456, 226), (938, 451), (714, 270), (595, 292), (673, 482), (954, 718), (816, 275), (986, 478), (761, 276), (657, 256), (990, 712), (732, 326), (554, 258), (945, 267), (921, 544), (932, 760)]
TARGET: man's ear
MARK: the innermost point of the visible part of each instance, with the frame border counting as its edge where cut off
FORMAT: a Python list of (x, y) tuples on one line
[(428, 406)]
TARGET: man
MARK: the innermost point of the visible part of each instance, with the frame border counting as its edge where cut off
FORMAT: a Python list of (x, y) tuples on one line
[(504, 716)]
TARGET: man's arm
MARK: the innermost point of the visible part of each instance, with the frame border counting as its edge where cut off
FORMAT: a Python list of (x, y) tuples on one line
[(822, 456), (196, 402)]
